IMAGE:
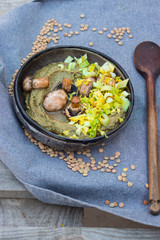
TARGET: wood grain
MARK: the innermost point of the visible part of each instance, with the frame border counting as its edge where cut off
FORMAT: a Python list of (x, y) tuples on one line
[(10, 187), (48, 233), (7, 5), (153, 151), (97, 218), (33, 213)]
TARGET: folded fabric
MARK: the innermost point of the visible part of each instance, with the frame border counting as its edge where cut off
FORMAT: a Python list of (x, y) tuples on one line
[(49, 179)]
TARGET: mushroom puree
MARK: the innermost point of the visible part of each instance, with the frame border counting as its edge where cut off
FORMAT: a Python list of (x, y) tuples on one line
[(103, 95)]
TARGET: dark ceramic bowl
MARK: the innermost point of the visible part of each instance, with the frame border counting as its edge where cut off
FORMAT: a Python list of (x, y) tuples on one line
[(57, 54)]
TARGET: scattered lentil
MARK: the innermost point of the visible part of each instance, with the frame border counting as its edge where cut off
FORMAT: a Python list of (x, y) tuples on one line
[(104, 29), (115, 204), (118, 160), (120, 43), (109, 36), (99, 167), (111, 205), (105, 161), (124, 174), (111, 158), (114, 170), (94, 29), (94, 168), (107, 202), (125, 169), (124, 179), (76, 32), (117, 154), (120, 178), (130, 36), (115, 165), (112, 31), (108, 170), (110, 167), (121, 204), (133, 167), (106, 165), (88, 154), (82, 16), (130, 184), (120, 37), (102, 170), (147, 185), (85, 174), (100, 32), (145, 202), (85, 28), (91, 44), (101, 150), (79, 152)]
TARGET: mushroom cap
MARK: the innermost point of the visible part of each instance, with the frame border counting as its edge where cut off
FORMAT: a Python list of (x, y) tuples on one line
[(55, 100), (27, 84), (75, 102)]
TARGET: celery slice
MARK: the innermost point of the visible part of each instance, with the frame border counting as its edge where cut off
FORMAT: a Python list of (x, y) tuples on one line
[(84, 64), (71, 66), (68, 59), (106, 88), (61, 66), (125, 104), (122, 84)]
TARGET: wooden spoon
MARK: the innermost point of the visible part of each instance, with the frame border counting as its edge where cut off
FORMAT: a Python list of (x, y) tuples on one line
[(147, 62)]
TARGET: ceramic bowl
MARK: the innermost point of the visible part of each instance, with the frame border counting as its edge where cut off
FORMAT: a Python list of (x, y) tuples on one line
[(58, 54)]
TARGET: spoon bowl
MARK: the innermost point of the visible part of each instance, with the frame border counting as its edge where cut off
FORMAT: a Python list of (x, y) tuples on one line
[(147, 59)]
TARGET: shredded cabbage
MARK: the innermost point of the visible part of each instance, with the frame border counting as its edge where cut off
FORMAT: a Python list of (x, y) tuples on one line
[(105, 98)]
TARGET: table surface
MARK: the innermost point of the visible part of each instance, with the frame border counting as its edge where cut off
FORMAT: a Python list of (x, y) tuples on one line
[(24, 217)]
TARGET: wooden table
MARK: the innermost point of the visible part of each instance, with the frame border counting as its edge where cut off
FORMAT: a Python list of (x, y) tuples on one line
[(24, 217)]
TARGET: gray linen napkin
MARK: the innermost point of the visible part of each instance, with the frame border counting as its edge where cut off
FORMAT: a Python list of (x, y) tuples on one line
[(48, 178)]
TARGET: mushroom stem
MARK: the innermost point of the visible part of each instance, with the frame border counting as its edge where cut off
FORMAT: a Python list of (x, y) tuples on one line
[(40, 82), (74, 108), (66, 84), (75, 102)]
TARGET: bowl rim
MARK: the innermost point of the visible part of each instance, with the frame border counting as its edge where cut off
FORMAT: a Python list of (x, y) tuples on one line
[(53, 135)]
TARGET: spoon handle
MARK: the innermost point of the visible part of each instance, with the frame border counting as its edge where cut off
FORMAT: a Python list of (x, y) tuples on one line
[(153, 160)]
